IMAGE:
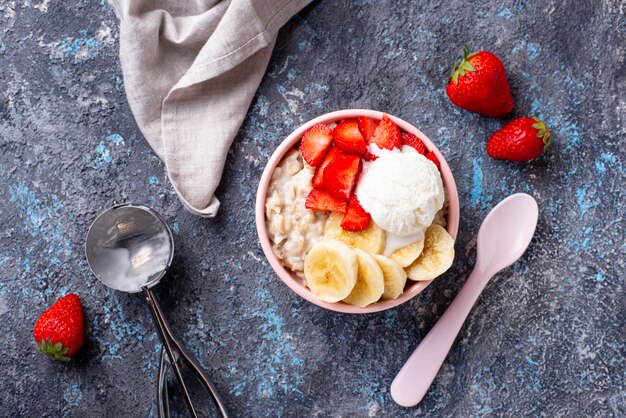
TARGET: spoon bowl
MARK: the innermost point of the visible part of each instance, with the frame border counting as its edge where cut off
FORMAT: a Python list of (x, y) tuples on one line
[(506, 232)]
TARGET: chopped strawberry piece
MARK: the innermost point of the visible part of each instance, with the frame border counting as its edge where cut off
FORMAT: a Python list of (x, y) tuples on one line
[(348, 138), (387, 134), (356, 218), (340, 176), (322, 200), (370, 157), (315, 142), (367, 126), (432, 157), (318, 179), (413, 141)]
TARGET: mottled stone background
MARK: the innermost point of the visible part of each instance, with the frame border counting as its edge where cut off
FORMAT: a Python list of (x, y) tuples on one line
[(545, 339)]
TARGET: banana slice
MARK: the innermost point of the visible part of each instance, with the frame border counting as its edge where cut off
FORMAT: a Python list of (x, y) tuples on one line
[(372, 239), (437, 256), (330, 270), (370, 282), (394, 276), (405, 256)]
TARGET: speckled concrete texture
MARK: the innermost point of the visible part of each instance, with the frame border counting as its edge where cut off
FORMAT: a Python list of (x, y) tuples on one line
[(545, 339)]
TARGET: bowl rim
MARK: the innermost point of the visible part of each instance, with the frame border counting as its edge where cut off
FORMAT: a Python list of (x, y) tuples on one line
[(290, 278)]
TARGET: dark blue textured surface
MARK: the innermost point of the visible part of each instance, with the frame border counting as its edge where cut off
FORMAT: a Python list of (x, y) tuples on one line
[(545, 339)]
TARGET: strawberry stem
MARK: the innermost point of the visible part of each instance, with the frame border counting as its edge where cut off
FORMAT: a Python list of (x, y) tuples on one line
[(55, 352), (461, 65), (543, 132)]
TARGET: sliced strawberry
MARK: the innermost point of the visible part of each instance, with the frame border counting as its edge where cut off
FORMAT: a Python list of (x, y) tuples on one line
[(315, 143), (348, 138), (367, 126), (370, 157), (387, 134), (413, 141), (432, 157), (318, 179), (320, 199), (356, 218), (340, 176)]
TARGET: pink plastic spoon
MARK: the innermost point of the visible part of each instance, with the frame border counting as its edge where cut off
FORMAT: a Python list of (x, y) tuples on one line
[(502, 239)]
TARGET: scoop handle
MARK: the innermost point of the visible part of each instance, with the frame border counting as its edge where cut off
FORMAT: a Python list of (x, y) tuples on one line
[(179, 357), (417, 374)]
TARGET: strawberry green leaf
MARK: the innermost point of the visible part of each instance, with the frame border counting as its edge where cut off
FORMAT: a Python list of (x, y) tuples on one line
[(543, 132), (56, 351), (462, 65), (467, 66)]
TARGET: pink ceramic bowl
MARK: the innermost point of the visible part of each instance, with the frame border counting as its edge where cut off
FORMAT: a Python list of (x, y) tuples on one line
[(290, 278)]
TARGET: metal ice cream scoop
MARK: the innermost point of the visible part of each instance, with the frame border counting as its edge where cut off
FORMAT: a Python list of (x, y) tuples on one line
[(130, 248)]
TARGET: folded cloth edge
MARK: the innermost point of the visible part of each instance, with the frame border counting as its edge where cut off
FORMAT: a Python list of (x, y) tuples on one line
[(200, 72)]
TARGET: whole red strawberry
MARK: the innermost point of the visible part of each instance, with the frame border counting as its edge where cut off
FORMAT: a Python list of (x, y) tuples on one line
[(60, 331), (478, 84), (522, 139)]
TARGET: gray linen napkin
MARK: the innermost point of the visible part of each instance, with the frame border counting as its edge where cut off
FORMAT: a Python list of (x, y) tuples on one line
[(191, 69)]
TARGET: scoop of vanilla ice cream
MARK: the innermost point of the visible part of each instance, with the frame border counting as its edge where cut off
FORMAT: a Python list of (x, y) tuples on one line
[(402, 190)]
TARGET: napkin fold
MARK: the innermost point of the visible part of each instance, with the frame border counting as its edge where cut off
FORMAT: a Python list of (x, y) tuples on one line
[(191, 69)]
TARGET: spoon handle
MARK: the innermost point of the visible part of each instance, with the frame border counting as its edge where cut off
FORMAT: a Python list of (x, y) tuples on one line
[(418, 373)]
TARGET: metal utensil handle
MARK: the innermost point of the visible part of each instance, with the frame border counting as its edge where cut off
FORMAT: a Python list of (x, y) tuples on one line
[(163, 329), (163, 405), (171, 343)]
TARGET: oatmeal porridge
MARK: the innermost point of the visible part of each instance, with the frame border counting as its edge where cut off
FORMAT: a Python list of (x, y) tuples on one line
[(293, 229)]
